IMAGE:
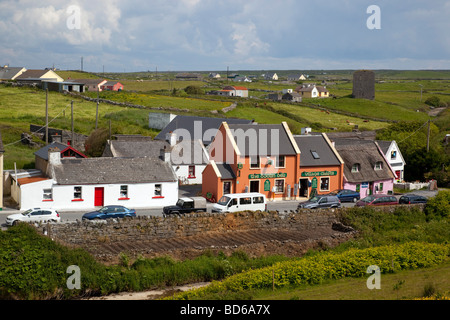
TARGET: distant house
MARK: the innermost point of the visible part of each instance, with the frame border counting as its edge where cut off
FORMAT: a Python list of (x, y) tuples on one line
[(292, 96), (242, 79), (312, 91), (11, 73), (394, 157), (366, 169), (296, 77), (69, 86), (271, 76), (83, 184), (276, 96), (214, 75), (39, 76), (112, 86), (92, 85), (234, 91)]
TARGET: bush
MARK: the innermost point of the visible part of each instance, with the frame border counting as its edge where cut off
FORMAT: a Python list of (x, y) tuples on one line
[(96, 142), (439, 206), (433, 101)]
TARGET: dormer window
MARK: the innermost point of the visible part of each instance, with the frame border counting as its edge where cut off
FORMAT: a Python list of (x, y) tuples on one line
[(356, 167), (378, 165)]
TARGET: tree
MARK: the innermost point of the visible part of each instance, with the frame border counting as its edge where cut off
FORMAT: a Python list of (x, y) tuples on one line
[(96, 142), (193, 90)]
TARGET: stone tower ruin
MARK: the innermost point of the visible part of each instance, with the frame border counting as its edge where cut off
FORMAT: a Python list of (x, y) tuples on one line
[(364, 84)]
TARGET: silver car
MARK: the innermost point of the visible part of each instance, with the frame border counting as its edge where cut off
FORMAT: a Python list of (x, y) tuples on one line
[(34, 215), (321, 201)]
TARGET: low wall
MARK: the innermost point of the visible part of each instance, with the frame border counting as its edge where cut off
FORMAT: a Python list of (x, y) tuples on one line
[(147, 228)]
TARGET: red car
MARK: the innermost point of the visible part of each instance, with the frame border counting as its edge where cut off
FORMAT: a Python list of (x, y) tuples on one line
[(377, 200)]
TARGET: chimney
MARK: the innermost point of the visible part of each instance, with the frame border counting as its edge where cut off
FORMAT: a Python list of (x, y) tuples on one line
[(171, 138), (54, 156), (164, 154)]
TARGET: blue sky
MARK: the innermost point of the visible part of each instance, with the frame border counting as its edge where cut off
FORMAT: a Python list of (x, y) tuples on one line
[(181, 35)]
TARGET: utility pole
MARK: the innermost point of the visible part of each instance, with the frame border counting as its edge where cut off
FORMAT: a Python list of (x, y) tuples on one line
[(96, 116), (428, 137), (73, 131), (46, 116), (81, 63)]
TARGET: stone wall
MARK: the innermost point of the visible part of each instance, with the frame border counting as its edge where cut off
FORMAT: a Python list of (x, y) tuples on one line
[(148, 228), (145, 228)]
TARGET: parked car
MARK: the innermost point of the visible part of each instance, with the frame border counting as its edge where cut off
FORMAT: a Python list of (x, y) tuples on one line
[(34, 215), (412, 198), (251, 201), (345, 195), (187, 205), (377, 200), (108, 212), (321, 201)]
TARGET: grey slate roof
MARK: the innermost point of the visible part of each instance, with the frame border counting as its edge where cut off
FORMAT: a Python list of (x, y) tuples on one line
[(384, 145), (225, 171), (188, 123), (309, 143), (112, 171), (134, 148), (9, 72), (43, 152), (280, 146), (366, 153)]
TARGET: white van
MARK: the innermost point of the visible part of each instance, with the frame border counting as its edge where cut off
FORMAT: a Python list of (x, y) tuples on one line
[(236, 202)]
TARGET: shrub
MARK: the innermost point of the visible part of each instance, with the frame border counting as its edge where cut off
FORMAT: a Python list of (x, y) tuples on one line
[(439, 206), (433, 101)]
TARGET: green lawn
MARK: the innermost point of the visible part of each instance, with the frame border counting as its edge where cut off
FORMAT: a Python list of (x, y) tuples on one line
[(408, 284)]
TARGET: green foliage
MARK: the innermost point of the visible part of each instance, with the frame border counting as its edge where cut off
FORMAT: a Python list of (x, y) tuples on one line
[(96, 142), (193, 90), (439, 206), (325, 266)]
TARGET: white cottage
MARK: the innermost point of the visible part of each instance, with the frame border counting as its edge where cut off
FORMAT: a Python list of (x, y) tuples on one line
[(83, 184), (394, 157)]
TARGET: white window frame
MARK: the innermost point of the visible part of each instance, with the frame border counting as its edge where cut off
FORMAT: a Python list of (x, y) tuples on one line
[(47, 194), (323, 178), (275, 185)]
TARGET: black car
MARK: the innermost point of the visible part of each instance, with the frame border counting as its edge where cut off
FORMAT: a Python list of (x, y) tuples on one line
[(412, 198)]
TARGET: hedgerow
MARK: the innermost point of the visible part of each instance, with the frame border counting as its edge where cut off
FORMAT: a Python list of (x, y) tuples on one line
[(328, 265)]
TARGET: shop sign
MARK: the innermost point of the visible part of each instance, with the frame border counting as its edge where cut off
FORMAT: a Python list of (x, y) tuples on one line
[(314, 183), (267, 185), (319, 173), (267, 175)]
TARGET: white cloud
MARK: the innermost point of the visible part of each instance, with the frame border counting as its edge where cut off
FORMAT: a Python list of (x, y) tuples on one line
[(247, 41)]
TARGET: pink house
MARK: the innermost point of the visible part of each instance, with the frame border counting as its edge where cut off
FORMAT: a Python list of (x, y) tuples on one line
[(112, 86), (366, 169)]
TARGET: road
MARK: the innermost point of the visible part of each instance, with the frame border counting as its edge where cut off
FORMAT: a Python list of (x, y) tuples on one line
[(281, 206)]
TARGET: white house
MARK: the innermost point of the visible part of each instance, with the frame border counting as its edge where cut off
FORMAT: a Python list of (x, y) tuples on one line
[(271, 76), (83, 184), (188, 158), (394, 158), (234, 91)]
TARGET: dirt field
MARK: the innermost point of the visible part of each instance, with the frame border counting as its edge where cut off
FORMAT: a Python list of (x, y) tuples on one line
[(254, 243)]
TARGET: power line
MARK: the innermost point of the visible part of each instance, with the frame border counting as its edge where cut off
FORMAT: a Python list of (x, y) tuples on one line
[(34, 133), (414, 132)]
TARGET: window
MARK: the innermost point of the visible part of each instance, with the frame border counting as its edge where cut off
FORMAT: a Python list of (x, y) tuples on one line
[(245, 200), (254, 162), (77, 195), (258, 200), (191, 172), (281, 161), (123, 192), (48, 195), (381, 187), (315, 154), (393, 155), (227, 187), (356, 167), (158, 190), (378, 165), (279, 186), (324, 184)]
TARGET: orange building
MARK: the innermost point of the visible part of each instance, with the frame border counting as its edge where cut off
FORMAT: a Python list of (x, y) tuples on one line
[(265, 158)]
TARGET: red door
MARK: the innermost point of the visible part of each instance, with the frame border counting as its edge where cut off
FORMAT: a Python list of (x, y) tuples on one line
[(99, 197)]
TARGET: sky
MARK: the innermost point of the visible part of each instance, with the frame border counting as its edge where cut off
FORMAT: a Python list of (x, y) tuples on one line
[(213, 35)]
